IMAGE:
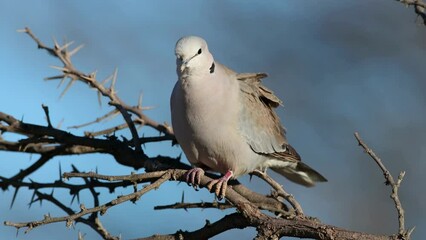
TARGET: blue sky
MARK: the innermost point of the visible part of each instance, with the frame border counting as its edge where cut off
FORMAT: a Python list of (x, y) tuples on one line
[(339, 67)]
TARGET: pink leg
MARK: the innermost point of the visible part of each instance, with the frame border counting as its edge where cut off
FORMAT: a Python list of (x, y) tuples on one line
[(221, 184), (193, 176)]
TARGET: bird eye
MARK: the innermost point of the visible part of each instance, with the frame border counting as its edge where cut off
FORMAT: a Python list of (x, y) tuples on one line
[(199, 51), (180, 57)]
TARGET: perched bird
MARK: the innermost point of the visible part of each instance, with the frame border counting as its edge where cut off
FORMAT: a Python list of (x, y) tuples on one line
[(225, 121)]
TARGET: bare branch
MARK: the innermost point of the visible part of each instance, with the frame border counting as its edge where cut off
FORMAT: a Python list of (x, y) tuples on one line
[(231, 221), (402, 232), (109, 115), (280, 191), (142, 177), (94, 223), (24, 173), (203, 205), (46, 111)]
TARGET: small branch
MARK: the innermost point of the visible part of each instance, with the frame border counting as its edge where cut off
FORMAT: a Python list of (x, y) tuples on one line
[(404, 234), (107, 131), (142, 177), (73, 189), (131, 126), (24, 173), (94, 223), (231, 221), (65, 143), (203, 205), (46, 111), (280, 191), (109, 115)]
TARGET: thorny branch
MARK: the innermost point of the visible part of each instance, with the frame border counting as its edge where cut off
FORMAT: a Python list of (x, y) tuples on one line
[(69, 71), (402, 232), (50, 142), (101, 208)]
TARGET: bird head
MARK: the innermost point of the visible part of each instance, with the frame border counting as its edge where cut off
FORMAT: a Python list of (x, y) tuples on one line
[(192, 54)]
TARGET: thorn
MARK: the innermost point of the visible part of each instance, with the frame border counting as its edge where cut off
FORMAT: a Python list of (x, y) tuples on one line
[(114, 79), (99, 99), (183, 197), (75, 50), (103, 82), (32, 199), (14, 197), (73, 197), (54, 77), (93, 74), (60, 171), (65, 46), (55, 43), (59, 68), (74, 168), (71, 82), (140, 100), (62, 81)]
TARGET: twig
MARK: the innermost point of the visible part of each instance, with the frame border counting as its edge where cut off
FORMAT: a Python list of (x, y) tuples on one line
[(46, 111), (110, 114), (73, 188), (24, 173), (130, 125), (280, 191), (107, 131), (203, 205), (209, 230), (142, 177), (404, 234), (94, 223)]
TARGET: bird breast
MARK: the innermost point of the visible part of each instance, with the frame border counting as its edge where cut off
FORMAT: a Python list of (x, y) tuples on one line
[(205, 120)]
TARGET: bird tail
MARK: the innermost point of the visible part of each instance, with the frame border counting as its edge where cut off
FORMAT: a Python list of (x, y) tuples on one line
[(300, 173)]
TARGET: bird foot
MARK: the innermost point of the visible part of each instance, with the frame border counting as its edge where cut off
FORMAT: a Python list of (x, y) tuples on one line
[(193, 176), (220, 184)]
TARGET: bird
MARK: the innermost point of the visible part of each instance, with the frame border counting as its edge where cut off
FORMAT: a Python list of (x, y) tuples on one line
[(226, 122)]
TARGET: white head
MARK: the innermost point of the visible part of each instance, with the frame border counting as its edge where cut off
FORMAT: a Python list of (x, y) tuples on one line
[(193, 55)]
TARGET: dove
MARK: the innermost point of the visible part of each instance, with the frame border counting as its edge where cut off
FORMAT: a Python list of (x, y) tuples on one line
[(226, 122)]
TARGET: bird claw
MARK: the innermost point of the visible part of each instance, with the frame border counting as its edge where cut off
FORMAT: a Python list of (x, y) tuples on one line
[(193, 177), (220, 184), (220, 187)]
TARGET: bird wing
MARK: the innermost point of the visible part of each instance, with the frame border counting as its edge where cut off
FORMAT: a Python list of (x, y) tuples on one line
[(259, 123)]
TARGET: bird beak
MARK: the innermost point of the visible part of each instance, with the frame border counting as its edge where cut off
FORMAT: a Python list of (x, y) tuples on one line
[(183, 66)]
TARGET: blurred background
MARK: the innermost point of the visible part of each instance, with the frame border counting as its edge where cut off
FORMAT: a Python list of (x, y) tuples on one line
[(339, 67)]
